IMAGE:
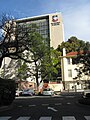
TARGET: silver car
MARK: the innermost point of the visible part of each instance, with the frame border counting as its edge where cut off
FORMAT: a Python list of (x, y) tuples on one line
[(28, 92), (48, 92)]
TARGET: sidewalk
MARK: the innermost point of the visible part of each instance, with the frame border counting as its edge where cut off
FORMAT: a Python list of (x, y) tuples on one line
[(71, 93)]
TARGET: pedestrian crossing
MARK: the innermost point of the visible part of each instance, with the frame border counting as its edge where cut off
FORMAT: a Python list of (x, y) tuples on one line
[(43, 118)]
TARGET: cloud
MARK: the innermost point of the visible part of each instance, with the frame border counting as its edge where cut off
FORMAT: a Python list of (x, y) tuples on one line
[(76, 16), (77, 23)]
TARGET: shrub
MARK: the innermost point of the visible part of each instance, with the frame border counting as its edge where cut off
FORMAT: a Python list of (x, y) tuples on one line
[(7, 91)]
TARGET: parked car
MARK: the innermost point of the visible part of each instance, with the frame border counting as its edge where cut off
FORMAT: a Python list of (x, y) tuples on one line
[(28, 92), (48, 91)]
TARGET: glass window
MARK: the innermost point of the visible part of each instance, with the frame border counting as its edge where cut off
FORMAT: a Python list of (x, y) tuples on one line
[(68, 60), (69, 73)]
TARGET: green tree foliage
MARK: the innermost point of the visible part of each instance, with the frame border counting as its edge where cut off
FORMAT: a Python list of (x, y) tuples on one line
[(73, 44), (83, 57), (42, 60), (50, 65), (38, 50)]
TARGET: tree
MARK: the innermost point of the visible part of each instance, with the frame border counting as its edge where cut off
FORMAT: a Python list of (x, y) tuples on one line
[(36, 53), (14, 39), (41, 60), (73, 44), (55, 63), (83, 57)]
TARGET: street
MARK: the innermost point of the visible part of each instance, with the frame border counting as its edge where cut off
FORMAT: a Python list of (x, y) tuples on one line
[(46, 108)]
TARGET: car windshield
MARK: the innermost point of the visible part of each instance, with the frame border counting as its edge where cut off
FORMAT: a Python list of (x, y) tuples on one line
[(26, 90), (48, 89)]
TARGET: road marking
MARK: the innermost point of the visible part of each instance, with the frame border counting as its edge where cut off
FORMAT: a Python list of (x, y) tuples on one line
[(31, 105), (45, 104), (68, 118), (23, 118), (5, 118), (68, 103), (45, 118), (50, 108), (20, 106), (58, 103), (87, 117)]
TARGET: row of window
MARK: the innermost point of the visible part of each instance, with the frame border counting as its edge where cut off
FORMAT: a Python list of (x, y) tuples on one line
[(42, 27)]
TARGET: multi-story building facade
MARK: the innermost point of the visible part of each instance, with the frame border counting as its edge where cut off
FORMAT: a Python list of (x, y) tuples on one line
[(49, 26)]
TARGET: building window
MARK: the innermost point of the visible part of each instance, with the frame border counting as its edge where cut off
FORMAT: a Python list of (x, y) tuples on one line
[(68, 60), (69, 73)]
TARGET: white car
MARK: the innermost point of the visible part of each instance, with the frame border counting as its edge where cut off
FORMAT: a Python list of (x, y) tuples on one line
[(48, 92), (28, 92)]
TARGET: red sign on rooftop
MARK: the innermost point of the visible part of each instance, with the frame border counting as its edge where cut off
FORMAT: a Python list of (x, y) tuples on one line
[(55, 18)]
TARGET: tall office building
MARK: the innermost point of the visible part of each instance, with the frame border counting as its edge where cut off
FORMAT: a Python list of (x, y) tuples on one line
[(49, 26)]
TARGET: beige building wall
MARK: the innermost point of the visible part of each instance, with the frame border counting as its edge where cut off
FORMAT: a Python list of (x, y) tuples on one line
[(56, 30)]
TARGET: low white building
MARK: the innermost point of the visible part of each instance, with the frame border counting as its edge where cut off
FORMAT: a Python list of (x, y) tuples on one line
[(69, 73)]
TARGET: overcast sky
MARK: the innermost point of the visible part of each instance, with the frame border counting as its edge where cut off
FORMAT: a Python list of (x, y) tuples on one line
[(75, 13)]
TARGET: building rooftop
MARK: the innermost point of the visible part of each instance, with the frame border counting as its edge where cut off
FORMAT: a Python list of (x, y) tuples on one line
[(35, 17), (76, 53)]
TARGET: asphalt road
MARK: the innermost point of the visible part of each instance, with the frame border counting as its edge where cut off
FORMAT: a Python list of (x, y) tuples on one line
[(46, 108)]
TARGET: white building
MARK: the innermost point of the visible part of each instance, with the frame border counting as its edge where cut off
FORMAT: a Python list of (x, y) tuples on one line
[(69, 73)]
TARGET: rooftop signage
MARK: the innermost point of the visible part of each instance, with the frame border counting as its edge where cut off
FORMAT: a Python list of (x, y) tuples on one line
[(55, 20)]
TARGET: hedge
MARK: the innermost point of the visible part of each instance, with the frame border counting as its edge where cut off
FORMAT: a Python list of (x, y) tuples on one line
[(7, 91)]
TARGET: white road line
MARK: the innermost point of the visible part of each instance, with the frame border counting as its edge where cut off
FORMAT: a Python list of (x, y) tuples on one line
[(23, 118), (31, 105), (87, 117), (50, 108), (5, 118), (45, 104), (68, 103), (20, 106), (45, 118), (68, 118), (58, 103)]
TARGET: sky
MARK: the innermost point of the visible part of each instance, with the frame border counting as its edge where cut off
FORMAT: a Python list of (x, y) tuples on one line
[(75, 13)]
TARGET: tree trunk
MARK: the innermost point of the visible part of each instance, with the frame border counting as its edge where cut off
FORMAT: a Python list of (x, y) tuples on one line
[(36, 76), (1, 59)]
